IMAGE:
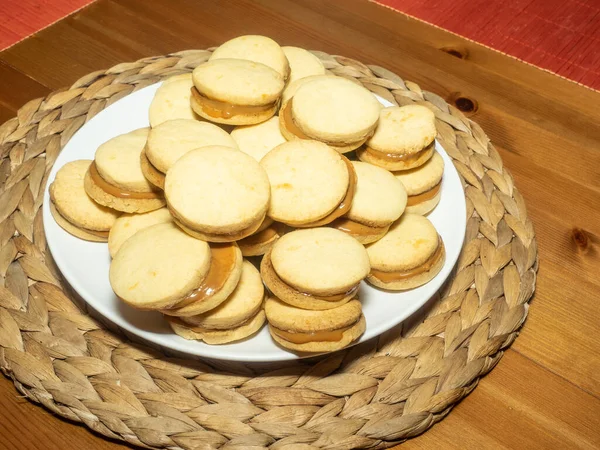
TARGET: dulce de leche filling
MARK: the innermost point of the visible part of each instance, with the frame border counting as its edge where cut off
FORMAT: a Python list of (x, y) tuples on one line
[(261, 237), (315, 336), (423, 197), (344, 205), (222, 264), (388, 277), (355, 228), (117, 191), (224, 110), (392, 157)]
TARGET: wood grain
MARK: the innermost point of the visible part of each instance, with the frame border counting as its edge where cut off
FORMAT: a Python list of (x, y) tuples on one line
[(546, 129)]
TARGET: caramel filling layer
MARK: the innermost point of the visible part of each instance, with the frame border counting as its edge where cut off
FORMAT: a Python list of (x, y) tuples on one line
[(315, 336), (224, 110), (223, 259), (423, 197), (117, 191), (262, 237), (388, 277), (355, 228), (344, 205), (328, 298), (392, 157), (291, 126)]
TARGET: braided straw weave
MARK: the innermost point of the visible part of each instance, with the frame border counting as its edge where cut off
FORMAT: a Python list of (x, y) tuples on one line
[(371, 396)]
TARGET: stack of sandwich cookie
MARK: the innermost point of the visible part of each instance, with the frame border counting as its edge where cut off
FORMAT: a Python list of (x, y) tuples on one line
[(404, 138), (411, 254), (238, 317), (73, 210), (303, 330), (379, 201), (423, 185), (115, 178), (236, 91), (172, 100), (172, 139), (129, 224), (332, 110), (311, 184), (319, 268), (217, 194)]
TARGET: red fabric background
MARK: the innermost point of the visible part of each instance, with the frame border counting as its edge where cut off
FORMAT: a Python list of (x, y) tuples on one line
[(562, 36)]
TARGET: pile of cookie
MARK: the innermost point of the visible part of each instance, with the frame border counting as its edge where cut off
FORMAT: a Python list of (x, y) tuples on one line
[(260, 168)]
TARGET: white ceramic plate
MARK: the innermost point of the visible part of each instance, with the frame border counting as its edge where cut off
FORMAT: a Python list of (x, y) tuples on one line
[(85, 264)]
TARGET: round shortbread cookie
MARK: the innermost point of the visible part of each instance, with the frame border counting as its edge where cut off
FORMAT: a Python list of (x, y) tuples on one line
[(308, 181), (238, 82), (172, 139), (258, 140), (403, 130), (216, 337), (254, 48), (68, 195), (172, 100), (320, 261), (218, 190), (302, 63), (379, 198), (157, 266), (243, 303), (129, 224), (335, 110)]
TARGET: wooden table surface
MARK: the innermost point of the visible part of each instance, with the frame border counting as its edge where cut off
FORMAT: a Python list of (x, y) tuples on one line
[(545, 393)]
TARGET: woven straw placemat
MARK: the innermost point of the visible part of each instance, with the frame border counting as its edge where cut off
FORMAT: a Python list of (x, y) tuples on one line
[(371, 396)]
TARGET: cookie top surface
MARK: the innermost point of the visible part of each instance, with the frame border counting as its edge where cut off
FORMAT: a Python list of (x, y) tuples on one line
[(238, 82), (118, 161), (293, 86), (72, 202), (254, 48), (335, 109), (129, 224), (217, 189), (258, 140), (403, 130), (171, 140), (302, 63), (172, 100), (308, 180), (245, 299), (289, 318), (409, 242), (422, 178), (158, 265), (319, 260), (379, 198)]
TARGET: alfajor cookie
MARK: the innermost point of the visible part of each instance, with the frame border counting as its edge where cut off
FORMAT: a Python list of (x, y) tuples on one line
[(115, 178), (260, 242), (292, 87), (317, 268), (129, 224), (217, 194), (303, 330), (332, 110), (258, 140), (255, 48), (236, 91), (172, 100), (311, 184), (404, 138), (171, 140), (73, 210), (408, 256), (423, 185), (302, 63), (159, 266), (236, 318), (379, 200)]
